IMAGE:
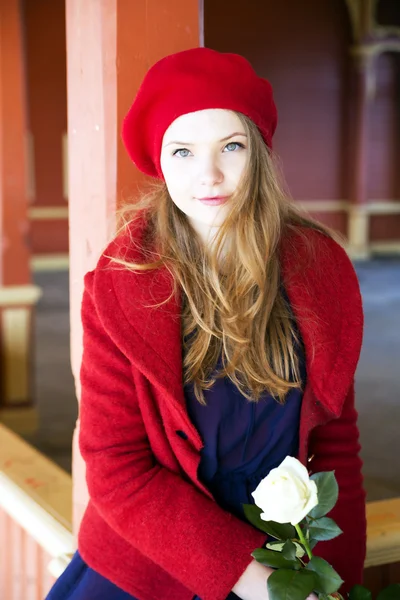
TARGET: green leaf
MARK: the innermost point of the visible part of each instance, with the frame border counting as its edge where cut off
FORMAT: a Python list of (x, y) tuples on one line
[(312, 543), (328, 492), (280, 531), (252, 514), (290, 585), (328, 581), (324, 529), (278, 546), (359, 592), (300, 551), (392, 592), (289, 550), (273, 559)]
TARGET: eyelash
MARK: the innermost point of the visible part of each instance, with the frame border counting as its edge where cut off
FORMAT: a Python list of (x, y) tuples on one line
[(180, 149)]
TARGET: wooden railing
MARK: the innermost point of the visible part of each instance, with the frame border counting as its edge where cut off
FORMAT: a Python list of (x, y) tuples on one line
[(382, 565), (36, 541)]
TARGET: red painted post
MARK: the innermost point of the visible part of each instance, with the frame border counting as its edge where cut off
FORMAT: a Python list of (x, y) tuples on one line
[(17, 294), (110, 46)]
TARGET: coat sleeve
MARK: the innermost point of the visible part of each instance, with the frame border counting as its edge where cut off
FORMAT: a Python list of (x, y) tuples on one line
[(335, 447), (155, 510)]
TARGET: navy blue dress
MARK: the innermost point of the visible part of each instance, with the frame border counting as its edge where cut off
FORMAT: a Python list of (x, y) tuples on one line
[(243, 441)]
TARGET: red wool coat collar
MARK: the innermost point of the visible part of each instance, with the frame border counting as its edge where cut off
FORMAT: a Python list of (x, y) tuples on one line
[(324, 295)]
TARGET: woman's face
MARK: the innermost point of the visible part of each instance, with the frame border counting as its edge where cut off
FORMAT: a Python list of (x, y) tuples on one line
[(203, 156)]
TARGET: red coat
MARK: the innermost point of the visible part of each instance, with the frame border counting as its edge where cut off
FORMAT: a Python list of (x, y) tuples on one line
[(151, 527)]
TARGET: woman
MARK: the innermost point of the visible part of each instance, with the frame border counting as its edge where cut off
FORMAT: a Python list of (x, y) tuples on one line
[(222, 331)]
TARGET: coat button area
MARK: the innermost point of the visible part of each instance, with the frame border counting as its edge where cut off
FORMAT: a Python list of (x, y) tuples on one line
[(181, 434)]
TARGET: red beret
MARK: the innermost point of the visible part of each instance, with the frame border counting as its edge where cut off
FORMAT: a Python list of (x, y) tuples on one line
[(188, 81)]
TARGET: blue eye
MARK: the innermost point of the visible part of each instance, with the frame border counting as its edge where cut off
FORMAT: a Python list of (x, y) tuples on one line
[(232, 146), (182, 153)]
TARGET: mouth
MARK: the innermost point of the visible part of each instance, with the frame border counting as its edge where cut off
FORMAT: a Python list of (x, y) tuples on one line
[(213, 200)]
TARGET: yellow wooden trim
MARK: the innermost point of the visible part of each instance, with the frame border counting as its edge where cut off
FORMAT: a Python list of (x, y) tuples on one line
[(50, 262), (19, 295), (323, 206), (358, 232), (44, 213), (373, 207), (385, 247), (15, 343), (352, 6), (355, 8), (36, 493), (376, 48), (383, 532), (384, 207), (21, 420)]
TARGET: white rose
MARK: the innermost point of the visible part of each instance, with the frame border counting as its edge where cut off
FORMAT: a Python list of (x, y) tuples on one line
[(287, 494)]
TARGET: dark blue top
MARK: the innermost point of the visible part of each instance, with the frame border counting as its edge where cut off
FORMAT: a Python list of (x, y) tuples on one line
[(243, 440)]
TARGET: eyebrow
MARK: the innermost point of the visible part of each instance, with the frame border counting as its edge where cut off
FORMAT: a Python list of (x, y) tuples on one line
[(223, 140)]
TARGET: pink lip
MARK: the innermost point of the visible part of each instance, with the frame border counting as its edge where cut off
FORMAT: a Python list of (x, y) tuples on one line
[(214, 200)]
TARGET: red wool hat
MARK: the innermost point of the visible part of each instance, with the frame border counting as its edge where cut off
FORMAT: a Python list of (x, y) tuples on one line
[(188, 81)]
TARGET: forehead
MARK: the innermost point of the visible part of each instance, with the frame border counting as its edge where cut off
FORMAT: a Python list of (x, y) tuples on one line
[(203, 126)]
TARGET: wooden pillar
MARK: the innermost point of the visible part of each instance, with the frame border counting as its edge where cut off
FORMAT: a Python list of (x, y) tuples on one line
[(17, 294), (364, 80), (110, 46)]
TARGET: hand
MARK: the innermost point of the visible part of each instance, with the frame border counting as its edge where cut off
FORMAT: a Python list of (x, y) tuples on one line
[(252, 584)]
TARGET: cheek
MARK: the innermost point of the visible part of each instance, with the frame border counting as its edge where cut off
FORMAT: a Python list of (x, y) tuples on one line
[(178, 185), (179, 188), (235, 169), (176, 177)]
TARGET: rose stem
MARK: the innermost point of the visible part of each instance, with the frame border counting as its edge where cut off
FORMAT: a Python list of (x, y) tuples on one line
[(304, 541)]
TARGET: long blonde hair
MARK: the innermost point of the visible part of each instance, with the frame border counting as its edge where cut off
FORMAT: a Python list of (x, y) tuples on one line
[(232, 304)]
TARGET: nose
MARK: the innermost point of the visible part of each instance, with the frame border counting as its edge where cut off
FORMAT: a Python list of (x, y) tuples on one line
[(210, 173)]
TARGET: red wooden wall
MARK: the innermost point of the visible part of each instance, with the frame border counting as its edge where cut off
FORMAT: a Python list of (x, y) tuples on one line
[(303, 48), (47, 115)]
